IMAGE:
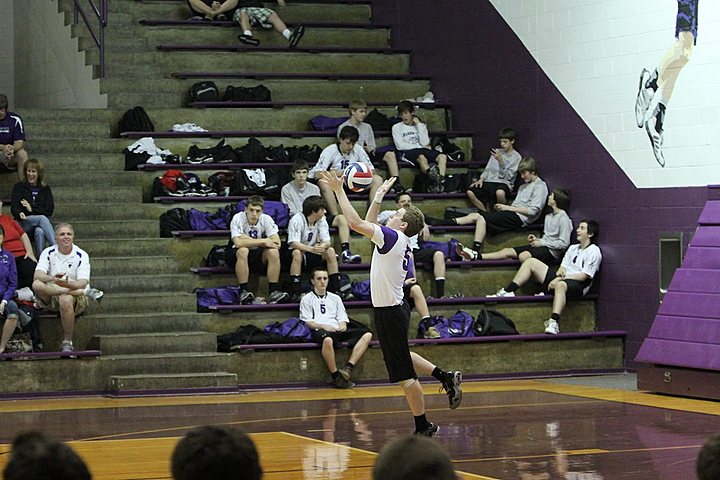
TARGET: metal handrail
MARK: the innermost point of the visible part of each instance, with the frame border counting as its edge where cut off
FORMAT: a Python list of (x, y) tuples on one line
[(98, 37)]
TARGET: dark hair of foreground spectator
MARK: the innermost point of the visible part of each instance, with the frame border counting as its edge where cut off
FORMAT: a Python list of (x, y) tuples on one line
[(216, 452), (36, 457)]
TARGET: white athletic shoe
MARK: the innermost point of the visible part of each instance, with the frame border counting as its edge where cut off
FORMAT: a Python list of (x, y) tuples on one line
[(644, 96), (503, 293), (552, 327)]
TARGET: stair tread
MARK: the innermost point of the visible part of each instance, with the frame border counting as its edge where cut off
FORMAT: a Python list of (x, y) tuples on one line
[(177, 375), (153, 334)]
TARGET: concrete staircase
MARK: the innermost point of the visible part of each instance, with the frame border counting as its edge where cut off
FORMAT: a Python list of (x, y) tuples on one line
[(146, 327)]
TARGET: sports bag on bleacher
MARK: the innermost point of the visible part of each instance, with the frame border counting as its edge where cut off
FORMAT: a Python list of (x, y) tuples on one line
[(491, 322), (204, 92), (136, 120)]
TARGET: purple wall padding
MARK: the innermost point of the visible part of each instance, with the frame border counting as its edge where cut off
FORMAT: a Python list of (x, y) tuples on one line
[(479, 66), (705, 356), (702, 257), (705, 305), (695, 280), (686, 329), (711, 213), (706, 236)]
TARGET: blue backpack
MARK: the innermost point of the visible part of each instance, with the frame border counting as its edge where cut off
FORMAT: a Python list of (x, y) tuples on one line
[(458, 325), (207, 221), (292, 329), (361, 289), (322, 123), (277, 210), (447, 248), (208, 297)]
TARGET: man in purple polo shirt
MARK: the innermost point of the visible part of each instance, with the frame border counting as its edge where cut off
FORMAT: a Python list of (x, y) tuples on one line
[(12, 139)]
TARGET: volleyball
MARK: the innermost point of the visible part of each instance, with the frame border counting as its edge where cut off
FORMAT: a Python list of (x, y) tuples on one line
[(358, 176)]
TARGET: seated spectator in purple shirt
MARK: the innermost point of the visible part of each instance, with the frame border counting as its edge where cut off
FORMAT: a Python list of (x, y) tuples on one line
[(12, 139)]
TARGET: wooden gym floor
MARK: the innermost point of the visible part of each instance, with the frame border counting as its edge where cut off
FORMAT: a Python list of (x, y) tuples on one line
[(528, 429)]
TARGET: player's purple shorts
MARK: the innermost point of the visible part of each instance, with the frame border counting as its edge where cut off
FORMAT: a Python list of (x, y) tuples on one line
[(687, 18)]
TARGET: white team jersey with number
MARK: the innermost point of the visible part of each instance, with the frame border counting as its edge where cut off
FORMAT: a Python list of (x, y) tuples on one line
[(332, 158), (76, 263), (391, 259), (582, 260), (300, 231), (326, 310), (264, 228)]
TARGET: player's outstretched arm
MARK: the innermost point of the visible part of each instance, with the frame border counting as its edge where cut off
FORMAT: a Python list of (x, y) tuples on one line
[(374, 208), (356, 223)]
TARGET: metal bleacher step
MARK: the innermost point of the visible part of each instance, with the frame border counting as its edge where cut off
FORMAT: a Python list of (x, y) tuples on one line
[(210, 382)]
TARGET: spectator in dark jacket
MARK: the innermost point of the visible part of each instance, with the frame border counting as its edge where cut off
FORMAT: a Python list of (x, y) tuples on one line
[(33, 205), (8, 283)]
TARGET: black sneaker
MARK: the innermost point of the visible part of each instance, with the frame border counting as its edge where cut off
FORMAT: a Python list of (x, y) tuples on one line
[(345, 372), (296, 35), (430, 431), (278, 296), (340, 382), (245, 297), (398, 187), (248, 40), (434, 173), (452, 386)]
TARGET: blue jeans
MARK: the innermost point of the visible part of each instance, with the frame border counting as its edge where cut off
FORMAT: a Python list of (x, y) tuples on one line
[(42, 229)]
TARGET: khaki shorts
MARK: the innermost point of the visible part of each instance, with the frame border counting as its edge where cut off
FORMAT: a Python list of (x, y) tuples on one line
[(81, 304)]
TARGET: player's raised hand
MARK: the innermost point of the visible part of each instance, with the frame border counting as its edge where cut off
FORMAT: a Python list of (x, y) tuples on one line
[(332, 180)]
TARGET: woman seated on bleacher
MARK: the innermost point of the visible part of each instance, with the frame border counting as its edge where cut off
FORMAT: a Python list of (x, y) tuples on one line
[(33, 205)]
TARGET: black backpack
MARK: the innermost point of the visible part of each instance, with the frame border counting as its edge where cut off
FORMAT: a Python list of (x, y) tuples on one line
[(217, 255), (378, 121), (173, 219), (136, 120), (204, 92), (491, 322), (245, 335), (253, 152), (424, 183), (258, 93)]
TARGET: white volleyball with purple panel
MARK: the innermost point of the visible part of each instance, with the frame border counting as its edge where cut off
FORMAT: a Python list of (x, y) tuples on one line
[(358, 176)]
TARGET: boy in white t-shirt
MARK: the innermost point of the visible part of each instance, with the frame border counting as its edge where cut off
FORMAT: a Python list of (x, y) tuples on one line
[(572, 279), (61, 281), (310, 244), (256, 243), (324, 313), (295, 192), (336, 157), (412, 143)]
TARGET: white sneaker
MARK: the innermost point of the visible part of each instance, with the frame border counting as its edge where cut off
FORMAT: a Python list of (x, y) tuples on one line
[(552, 327), (503, 293), (94, 294), (25, 294), (654, 129), (644, 96), (427, 98), (466, 253)]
